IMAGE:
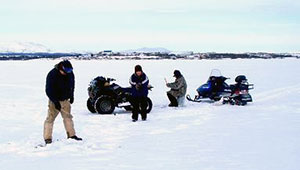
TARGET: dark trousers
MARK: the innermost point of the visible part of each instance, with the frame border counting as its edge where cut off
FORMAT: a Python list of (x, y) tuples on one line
[(173, 100), (139, 105)]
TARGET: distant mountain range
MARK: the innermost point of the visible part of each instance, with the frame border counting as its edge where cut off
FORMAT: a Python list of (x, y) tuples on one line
[(29, 50), (30, 47), (147, 50), (22, 47)]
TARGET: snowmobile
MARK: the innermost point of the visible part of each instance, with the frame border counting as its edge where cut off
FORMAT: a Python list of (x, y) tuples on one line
[(104, 96), (239, 92), (213, 90)]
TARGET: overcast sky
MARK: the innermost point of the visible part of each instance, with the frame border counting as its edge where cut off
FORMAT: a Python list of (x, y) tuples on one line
[(198, 25)]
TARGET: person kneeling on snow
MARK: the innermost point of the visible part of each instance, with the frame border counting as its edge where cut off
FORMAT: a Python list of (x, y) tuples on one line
[(178, 89), (139, 85), (60, 91)]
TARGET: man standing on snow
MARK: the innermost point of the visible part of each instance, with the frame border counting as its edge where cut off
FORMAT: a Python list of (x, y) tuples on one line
[(60, 90), (139, 83), (178, 89)]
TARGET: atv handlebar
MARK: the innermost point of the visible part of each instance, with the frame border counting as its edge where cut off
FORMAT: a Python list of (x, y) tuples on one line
[(110, 79), (150, 87), (250, 86)]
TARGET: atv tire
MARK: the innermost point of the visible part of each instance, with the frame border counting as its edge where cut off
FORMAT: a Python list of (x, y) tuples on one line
[(148, 109), (104, 105), (90, 106), (149, 105), (128, 108)]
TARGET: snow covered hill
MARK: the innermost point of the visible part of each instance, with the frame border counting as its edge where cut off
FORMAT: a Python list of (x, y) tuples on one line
[(22, 47), (147, 50), (263, 135)]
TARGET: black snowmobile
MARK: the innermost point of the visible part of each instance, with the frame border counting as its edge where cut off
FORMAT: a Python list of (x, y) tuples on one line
[(104, 96), (239, 92), (213, 90)]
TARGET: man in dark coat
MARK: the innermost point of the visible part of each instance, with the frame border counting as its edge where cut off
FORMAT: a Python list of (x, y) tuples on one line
[(139, 83), (60, 91)]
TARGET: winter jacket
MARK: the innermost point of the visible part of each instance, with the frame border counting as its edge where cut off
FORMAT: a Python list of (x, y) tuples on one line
[(59, 87), (139, 85), (178, 88)]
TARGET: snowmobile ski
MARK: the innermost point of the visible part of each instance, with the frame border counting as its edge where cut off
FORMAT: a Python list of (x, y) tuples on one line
[(188, 97)]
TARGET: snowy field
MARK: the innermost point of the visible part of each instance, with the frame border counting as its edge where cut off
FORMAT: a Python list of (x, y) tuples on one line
[(264, 135)]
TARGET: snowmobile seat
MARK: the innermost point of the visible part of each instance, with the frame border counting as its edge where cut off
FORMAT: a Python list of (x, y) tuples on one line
[(100, 81), (241, 79)]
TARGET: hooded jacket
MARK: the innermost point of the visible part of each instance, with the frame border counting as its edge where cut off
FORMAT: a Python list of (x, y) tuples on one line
[(141, 81), (59, 87), (178, 88)]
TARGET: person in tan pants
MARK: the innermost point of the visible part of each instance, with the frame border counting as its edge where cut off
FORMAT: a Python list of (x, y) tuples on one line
[(66, 115), (60, 90)]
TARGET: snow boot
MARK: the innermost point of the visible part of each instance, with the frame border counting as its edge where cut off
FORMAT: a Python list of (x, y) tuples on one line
[(173, 105), (75, 138), (48, 141)]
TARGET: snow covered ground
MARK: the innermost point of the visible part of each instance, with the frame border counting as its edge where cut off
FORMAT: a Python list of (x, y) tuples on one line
[(263, 135)]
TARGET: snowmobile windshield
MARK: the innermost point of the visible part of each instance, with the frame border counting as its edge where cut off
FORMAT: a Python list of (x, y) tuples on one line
[(215, 73)]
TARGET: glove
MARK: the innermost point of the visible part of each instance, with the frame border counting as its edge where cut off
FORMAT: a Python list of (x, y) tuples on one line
[(57, 105), (138, 86), (72, 100)]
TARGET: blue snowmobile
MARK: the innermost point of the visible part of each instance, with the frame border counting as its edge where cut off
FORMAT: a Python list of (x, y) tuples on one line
[(213, 90)]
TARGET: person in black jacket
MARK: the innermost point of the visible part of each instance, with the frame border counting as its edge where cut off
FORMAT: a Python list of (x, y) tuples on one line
[(139, 84), (60, 91)]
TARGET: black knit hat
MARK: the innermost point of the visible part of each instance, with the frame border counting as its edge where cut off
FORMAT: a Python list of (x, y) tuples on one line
[(138, 68), (177, 74)]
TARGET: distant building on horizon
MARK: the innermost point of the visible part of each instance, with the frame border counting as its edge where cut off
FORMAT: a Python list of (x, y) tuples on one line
[(106, 52)]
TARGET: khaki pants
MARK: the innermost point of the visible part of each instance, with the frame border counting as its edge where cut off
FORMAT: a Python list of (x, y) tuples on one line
[(66, 115)]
